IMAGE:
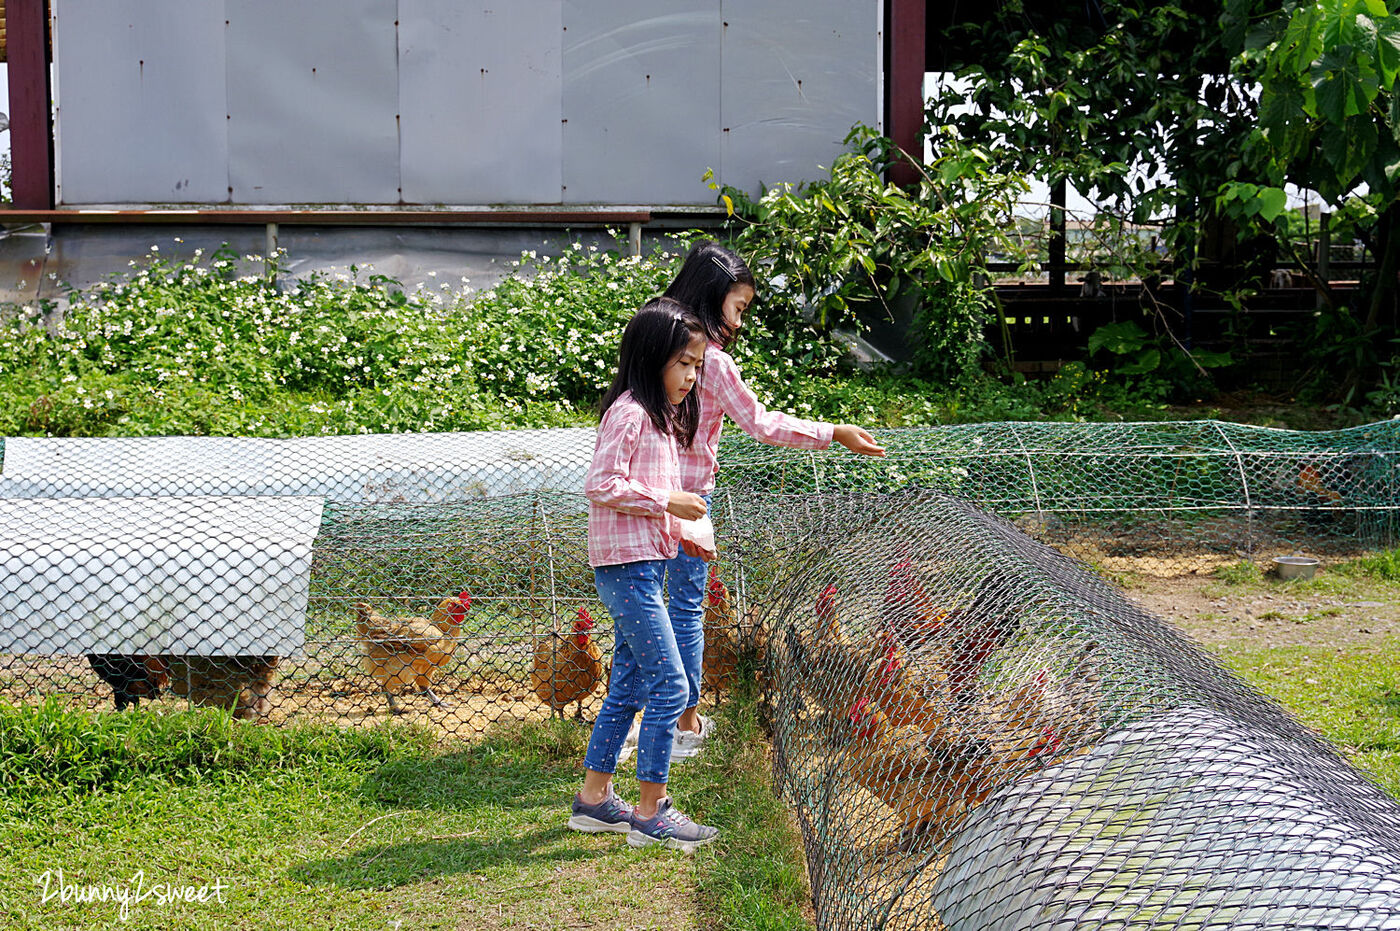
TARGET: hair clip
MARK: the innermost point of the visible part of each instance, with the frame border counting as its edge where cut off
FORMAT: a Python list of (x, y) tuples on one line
[(732, 277)]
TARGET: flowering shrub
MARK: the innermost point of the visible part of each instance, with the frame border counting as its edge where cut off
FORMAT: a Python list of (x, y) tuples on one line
[(196, 348)]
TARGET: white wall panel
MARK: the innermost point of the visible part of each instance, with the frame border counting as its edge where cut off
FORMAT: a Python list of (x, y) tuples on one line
[(797, 76), (454, 101), (479, 94), (140, 87), (313, 101), (641, 100)]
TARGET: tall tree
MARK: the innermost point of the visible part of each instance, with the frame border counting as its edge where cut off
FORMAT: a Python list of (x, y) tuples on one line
[(1329, 119), (1130, 100)]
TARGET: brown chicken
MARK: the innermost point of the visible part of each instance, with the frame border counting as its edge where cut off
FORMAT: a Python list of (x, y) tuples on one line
[(933, 767), (132, 677), (242, 684), (909, 611), (929, 781), (567, 668), (1043, 718), (407, 653), (720, 662), (907, 692), (827, 660), (1310, 480)]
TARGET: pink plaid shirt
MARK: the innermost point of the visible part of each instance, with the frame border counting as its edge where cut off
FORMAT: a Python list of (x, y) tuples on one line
[(629, 483), (722, 391)]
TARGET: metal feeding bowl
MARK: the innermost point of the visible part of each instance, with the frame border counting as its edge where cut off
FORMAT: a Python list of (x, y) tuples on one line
[(1295, 567)]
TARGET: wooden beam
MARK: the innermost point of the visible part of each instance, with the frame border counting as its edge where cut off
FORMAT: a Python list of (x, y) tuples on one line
[(904, 88), (288, 217), (31, 130), (1058, 191)]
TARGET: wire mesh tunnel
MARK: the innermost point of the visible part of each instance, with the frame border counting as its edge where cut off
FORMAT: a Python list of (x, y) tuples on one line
[(1159, 499), (975, 731), (979, 734)]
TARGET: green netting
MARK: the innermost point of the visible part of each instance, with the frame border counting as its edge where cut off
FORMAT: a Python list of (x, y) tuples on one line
[(976, 731), (1164, 499)]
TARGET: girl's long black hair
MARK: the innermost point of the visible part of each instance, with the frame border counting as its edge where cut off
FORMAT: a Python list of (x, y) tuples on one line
[(654, 336), (710, 270)]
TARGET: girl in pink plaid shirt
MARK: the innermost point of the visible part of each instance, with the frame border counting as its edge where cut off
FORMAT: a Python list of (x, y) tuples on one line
[(635, 508), (716, 284)]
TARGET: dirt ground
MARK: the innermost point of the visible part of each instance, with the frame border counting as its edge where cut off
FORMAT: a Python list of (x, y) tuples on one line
[(1344, 613)]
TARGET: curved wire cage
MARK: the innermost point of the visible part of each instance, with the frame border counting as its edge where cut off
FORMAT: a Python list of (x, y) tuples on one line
[(978, 733), (975, 730)]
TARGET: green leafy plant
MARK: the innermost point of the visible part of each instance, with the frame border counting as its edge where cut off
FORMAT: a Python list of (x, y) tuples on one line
[(1159, 359), (839, 252)]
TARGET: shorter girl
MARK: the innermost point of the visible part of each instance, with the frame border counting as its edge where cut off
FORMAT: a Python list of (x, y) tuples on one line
[(634, 512)]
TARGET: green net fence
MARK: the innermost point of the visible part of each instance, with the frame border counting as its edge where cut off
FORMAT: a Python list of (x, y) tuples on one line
[(977, 733), (976, 730)]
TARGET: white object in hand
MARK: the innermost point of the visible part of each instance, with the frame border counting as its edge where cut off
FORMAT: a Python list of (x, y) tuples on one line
[(700, 532)]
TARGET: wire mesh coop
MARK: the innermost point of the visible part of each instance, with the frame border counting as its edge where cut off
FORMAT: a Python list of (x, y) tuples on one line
[(975, 730), (979, 734), (1161, 499), (319, 564)]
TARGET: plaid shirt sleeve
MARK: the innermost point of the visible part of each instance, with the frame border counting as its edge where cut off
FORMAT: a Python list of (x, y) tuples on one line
[(625, 470), (744, 408)]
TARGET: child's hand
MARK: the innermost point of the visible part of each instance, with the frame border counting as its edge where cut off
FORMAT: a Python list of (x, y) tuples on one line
[(856, 440), (699, 552), (686, 506)]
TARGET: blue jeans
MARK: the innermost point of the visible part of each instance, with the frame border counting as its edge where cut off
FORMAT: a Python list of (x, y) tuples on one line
[(685, 583), (646, 671)]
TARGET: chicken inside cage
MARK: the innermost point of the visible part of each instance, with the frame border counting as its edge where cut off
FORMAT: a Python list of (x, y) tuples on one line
[(406, 653), (567, 667)]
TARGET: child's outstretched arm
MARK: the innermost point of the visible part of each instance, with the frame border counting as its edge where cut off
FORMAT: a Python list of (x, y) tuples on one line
[(774, 428), (744, 408)]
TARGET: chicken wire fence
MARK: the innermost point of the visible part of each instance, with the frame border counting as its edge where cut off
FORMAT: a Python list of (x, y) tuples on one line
[(977, 733), (1152, 499), (445, 575)]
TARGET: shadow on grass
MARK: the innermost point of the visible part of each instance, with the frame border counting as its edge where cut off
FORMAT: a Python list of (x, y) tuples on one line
[(515, 778)]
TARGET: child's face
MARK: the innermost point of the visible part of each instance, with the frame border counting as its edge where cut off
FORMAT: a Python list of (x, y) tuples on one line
[(680, 373), (736, 302)]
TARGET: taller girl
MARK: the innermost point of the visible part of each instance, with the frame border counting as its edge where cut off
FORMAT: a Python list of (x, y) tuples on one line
[(717, 285)]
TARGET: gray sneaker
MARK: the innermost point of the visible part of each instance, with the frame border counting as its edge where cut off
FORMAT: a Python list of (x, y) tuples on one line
[(670, 829), (611, 814)]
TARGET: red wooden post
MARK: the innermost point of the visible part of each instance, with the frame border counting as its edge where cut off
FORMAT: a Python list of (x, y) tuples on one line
[(31, 129), (905, 83)]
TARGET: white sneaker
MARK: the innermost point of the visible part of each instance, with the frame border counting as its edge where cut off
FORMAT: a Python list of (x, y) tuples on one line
[(686, 744), (629, 745)]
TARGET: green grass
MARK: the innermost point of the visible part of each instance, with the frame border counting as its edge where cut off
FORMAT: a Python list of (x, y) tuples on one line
[(311, 826), (1240, 573), (1350, 697)]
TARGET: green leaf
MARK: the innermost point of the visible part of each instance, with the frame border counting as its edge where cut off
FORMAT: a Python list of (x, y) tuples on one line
[(1212, 360), (1388, 51), (1272, 201), (1118, 338), (1147, 361)]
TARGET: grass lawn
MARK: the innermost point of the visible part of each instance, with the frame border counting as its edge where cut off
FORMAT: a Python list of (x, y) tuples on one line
[(312, 827), (1328, 649)]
